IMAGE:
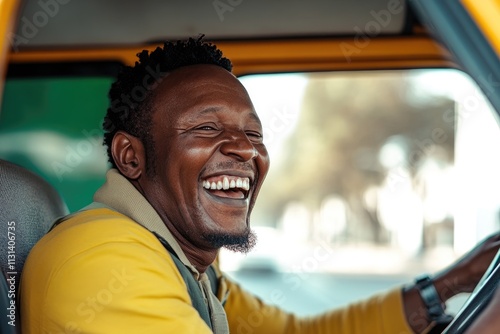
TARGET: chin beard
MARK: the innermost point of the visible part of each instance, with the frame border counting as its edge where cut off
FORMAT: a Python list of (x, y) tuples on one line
[(242, 243)]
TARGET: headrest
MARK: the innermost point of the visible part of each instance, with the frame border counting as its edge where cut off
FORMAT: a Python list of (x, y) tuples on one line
[(28, 207)]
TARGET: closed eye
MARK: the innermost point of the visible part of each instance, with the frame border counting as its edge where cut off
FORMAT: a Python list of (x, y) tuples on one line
[(206, 128), (254, 135)]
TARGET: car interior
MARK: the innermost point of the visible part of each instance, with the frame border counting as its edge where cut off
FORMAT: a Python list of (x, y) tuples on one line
[(375, 74)]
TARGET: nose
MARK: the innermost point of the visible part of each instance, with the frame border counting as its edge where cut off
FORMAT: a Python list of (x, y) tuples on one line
[(237, 144)]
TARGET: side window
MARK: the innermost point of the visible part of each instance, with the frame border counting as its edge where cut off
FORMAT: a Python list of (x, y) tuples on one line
[(53, 126), (375, 177)]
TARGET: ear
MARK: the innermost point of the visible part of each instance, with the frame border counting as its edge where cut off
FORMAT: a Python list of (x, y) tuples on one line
[(128, 154)]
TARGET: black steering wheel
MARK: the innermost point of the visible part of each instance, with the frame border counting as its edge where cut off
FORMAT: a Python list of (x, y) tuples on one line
[(478, 300)]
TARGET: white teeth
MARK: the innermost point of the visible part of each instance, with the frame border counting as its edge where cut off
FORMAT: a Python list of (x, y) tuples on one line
[(225, 184)]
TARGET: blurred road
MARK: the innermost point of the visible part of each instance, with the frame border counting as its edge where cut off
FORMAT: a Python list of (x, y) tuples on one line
[(312, 293), (308, 278)]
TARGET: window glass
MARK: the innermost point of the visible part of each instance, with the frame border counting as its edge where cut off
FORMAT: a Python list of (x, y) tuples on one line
[(375, 178), (52, 126)]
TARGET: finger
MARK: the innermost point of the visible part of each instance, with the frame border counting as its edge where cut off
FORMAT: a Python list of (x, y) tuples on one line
[(491, 239)]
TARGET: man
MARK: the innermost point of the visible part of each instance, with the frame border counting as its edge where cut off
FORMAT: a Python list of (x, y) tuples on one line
[(188, 162)]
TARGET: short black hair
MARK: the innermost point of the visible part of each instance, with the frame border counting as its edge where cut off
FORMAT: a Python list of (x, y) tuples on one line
[(130, 105)]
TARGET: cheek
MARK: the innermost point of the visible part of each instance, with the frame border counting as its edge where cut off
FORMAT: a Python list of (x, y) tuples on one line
[(191, 163), (193, 156), (182, 172), (183, 154), (196, 154), (263, 162)]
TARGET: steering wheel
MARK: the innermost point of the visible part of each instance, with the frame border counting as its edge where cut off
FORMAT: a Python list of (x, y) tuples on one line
[(478, 300)]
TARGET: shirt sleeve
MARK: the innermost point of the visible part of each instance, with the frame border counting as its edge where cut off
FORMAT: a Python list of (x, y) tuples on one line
[(124, 286), (381, 314)]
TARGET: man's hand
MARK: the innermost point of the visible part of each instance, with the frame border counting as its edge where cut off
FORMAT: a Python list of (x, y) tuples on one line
[(463, 275)]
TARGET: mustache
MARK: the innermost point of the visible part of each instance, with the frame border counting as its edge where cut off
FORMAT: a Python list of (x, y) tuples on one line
[(228, 165)]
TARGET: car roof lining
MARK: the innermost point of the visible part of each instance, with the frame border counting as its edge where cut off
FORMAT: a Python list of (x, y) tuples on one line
[(127, 22)]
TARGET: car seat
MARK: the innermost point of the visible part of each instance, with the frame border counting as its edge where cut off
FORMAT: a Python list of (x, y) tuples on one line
[(28, 207)]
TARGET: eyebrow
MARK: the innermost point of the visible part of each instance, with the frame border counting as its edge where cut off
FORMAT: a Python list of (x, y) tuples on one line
[(212, 110)]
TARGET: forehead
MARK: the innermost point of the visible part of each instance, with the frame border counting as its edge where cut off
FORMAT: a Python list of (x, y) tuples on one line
[(200, 90)]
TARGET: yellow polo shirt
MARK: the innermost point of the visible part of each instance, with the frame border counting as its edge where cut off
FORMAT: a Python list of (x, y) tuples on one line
[(103, 272)]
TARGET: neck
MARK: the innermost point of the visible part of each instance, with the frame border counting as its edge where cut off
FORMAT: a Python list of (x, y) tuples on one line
[(201, 259)]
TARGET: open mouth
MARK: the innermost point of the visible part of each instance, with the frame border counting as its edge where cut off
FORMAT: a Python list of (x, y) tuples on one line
[(227, 186)]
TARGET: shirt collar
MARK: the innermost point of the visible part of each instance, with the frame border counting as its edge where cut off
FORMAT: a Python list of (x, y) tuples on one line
[(120, 195)]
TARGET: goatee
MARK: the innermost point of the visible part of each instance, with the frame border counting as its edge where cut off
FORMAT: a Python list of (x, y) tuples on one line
[(241, 243)]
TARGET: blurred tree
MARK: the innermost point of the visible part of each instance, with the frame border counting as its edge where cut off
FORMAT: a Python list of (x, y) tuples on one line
[(345, 121)]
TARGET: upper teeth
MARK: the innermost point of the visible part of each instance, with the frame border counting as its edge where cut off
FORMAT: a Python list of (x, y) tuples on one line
[(225, 183)]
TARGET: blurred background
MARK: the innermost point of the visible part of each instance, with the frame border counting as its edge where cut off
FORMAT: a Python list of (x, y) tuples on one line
[(375, 178)]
